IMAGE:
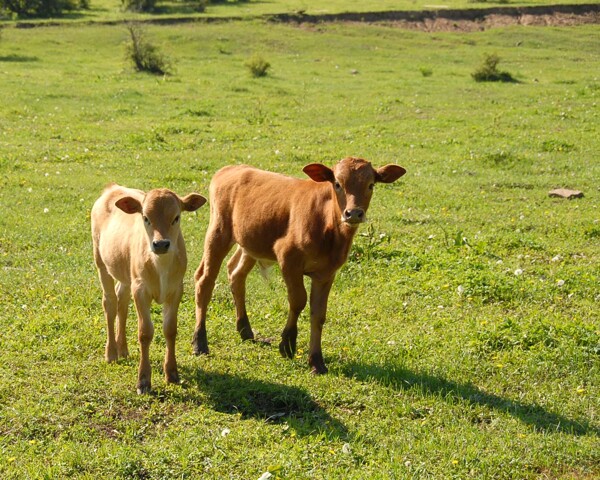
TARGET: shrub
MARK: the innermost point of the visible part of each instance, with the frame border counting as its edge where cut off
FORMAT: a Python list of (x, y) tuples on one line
[(139, 5), (426, 72), (144, 55), (40, 8), (488, 72), (258, 66)]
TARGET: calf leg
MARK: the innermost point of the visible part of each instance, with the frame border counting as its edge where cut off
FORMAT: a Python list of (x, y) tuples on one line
[(297, 300), (123, 298), (216, 246), (319, 294), (170, 330), (145, 335), (238, 267), (109, 305)]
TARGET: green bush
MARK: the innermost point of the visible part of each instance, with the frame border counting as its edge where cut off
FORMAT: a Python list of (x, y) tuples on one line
[(488, 72), (426, 72), (139, 5), (145, 56), (258, 66), (40, 8)]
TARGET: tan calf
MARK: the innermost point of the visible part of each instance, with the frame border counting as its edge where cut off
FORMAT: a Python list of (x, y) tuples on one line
[(306, 226), (138, 243)]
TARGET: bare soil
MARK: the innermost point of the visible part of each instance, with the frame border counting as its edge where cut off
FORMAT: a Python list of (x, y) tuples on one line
[(465, 20)]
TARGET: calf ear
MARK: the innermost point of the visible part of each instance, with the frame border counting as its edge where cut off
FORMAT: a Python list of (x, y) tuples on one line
[(319, 173), (129, 205), (389, 173), (192, 202)]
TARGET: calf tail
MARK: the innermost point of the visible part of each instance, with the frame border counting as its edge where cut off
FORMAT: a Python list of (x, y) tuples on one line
[(265, 269)]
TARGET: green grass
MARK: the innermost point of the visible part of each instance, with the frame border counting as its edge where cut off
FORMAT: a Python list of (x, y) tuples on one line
[(462, 344)]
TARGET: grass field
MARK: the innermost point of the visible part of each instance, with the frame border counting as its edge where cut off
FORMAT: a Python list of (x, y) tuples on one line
[(463, 337)]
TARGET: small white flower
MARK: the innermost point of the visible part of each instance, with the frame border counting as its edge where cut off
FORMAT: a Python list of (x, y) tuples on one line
[(225, 432), (346, 448), (46, 210), (557, 258), (391, 342), (499, 262), (30, 189), (460, 289), (431, 237), (518, 272), (277, 152), (560, 283)]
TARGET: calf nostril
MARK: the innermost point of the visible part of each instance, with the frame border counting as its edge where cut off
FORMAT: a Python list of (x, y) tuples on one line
[(360, 214), (348, 213), (162, 245)]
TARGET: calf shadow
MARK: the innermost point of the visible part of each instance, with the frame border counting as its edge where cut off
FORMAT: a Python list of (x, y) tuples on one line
[(399, 378), (267, 401)]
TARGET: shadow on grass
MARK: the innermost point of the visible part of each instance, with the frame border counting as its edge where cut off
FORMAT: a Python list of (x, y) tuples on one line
[(402, 379), (267, 401), (18, 58)]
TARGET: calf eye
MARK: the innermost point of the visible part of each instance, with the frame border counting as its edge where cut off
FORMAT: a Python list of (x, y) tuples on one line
[(146, 220), (338, 186), (371, 186), (176, 220)]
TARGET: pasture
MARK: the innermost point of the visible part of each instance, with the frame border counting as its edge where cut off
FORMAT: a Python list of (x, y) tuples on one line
[(463, 335)]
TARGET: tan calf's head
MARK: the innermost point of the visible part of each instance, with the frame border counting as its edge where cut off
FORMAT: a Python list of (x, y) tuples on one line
[(353, 180), (161, 210)]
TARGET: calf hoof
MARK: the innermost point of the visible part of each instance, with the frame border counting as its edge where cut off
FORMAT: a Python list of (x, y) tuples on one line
[(172, 377), (317, 364), (244, 329), (287, 348), (110, 354), (200, 344), (143, 388)]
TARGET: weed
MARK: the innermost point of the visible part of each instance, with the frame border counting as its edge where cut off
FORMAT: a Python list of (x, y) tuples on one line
[(426, 72), (145, 56), (488, 72), (257, 65), (368, 244), (557, 146)]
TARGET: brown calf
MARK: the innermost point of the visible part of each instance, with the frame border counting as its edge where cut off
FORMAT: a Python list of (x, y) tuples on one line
[(138, 243), (306, 226)]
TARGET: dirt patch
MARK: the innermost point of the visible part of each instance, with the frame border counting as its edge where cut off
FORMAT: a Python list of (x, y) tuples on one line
[(495, 20), (466, 20)]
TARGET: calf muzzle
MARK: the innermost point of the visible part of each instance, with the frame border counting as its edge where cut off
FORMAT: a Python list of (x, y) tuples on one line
[(354, 216), (161, 246)]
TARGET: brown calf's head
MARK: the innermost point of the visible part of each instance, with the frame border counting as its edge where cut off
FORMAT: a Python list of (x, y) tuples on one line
[(161, 210), (353, 180)]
